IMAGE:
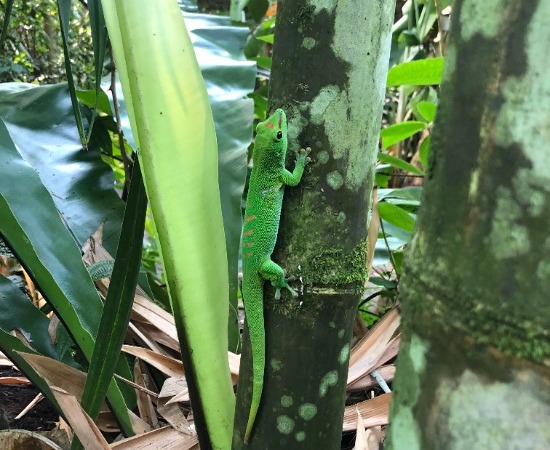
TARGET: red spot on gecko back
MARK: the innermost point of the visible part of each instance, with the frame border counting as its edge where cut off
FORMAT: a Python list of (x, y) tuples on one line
[(248, 232), (249, 218)]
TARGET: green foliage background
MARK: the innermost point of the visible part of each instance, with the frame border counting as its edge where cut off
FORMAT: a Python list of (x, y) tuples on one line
[(32, 51)]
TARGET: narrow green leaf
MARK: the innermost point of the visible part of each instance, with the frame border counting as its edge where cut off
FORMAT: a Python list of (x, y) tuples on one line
[(423, 72), (120, 297), (267, 38), (398, 163), (99, 42), (399, 132), (99, 39), (64, 11), (396, 216), (427, 110), (5, 25)]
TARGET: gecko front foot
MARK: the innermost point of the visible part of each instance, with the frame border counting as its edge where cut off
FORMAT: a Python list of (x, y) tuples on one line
[(286, 286), (302, 155)]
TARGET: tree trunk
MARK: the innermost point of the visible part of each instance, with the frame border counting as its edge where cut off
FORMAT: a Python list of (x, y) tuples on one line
[(473, 367), (329, 72)]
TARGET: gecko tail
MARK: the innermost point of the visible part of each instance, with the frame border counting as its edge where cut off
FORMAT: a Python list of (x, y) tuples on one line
[(257, 388), (254, 310), (251, 418)]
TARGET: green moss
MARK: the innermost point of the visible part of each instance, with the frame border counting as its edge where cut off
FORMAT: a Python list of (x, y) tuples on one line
[(330, 379), (285, 424), (305, 14), (300, 436), (309, 43), (307, 411), (344, 354), (334, 267), (276, 365), (322, 157), (335, 180), (286, 401)]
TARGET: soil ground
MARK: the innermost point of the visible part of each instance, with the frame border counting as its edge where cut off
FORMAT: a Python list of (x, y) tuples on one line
[(13, 399)]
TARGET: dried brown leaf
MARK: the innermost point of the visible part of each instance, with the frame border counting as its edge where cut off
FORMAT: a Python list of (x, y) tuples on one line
[(366, 354), (171, 367), (374, 412), (163, 438), (84, 427), (361, 436), (18, 381)]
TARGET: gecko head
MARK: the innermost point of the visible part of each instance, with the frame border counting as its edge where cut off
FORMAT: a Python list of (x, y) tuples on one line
[(271, 133)]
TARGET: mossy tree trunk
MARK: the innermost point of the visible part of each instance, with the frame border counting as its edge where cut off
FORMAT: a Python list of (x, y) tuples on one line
[(473, 367), (329, 70)]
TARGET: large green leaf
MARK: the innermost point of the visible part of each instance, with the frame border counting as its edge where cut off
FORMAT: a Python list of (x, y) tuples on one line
[(35, 231), (41, 123), (18, 313)]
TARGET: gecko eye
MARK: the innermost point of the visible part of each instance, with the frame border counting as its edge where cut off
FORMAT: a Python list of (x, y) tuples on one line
[(279, 135)]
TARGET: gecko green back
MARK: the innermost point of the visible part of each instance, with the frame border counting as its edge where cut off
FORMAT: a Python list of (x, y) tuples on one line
[(261, 225)]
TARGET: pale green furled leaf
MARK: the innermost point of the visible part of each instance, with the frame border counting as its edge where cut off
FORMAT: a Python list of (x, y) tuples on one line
[(183, 192)]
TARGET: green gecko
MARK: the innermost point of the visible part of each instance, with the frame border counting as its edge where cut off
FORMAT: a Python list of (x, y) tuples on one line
[(261, 225)]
